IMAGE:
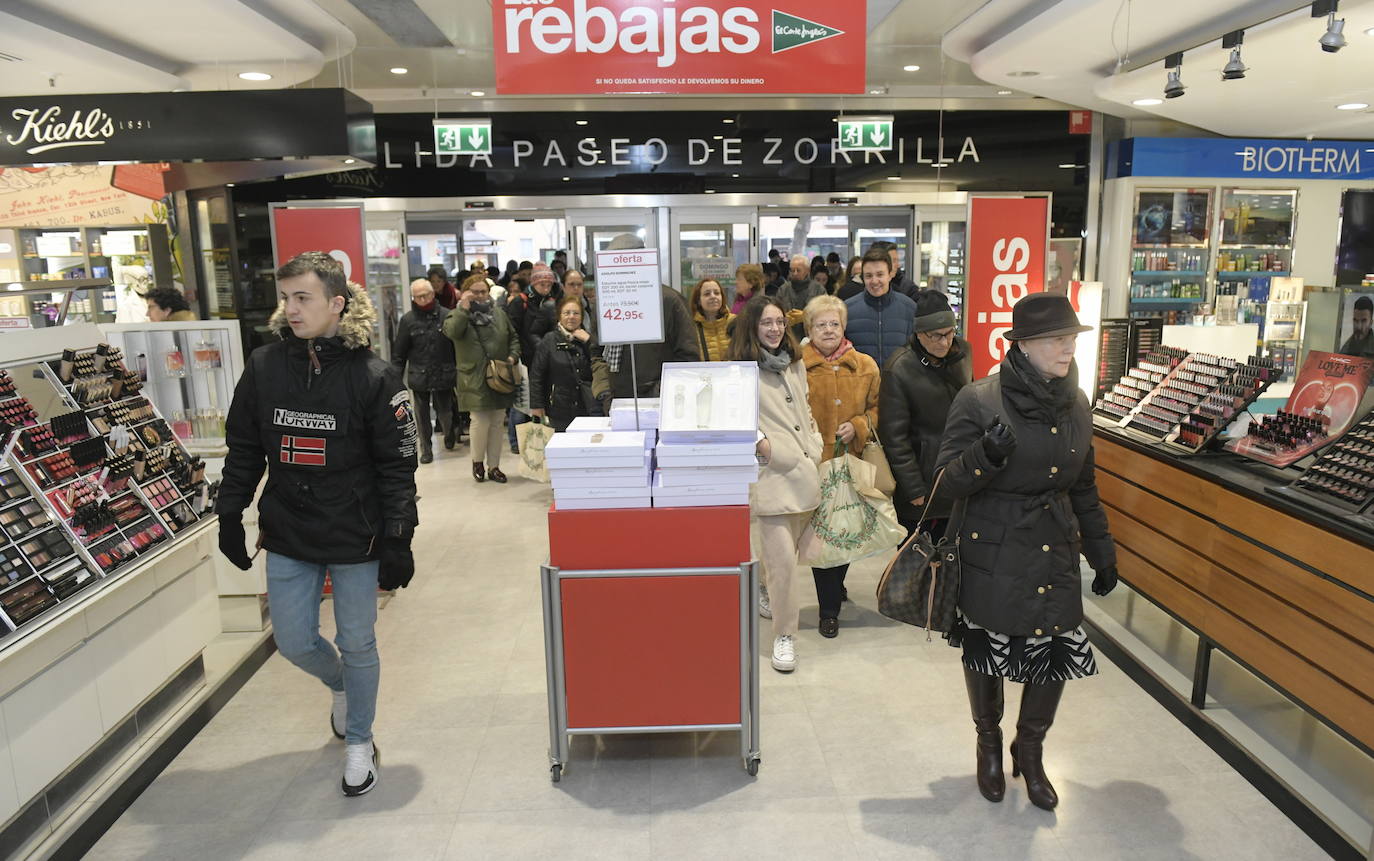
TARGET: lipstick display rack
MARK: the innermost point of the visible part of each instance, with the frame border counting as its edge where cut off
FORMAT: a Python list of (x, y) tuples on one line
[(1218, 408), (90, 490), (1124, 399), (1343, 474)]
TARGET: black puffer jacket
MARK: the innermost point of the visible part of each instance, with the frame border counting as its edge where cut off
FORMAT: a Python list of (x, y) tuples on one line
[(333, 427), (1029, 518), (914, 398), (563, 377), (421, 342)]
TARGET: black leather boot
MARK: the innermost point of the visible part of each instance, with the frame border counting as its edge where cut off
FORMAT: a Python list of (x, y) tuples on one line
[(985, 698), (1038, 705)]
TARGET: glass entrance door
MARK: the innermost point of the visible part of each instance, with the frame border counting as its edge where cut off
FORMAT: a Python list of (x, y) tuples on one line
[(592, 230), (711, 242)]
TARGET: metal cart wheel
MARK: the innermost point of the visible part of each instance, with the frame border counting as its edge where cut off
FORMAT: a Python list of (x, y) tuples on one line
[(752, 766), (556, 773)]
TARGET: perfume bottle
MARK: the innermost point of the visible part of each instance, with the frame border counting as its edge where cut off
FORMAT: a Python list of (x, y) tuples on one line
[(705, 395)]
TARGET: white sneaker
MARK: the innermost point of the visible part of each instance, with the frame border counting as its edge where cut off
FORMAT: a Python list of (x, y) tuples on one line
[(360, 775), (338, 715), (765, 610), (784, 654)]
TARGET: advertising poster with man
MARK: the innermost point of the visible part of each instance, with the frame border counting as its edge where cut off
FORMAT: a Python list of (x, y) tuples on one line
[(1357, 336)]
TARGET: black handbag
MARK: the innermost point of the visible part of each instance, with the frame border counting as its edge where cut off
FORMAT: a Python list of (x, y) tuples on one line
[(920, 586)]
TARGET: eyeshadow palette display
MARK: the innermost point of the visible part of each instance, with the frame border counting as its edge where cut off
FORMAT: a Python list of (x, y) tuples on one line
[(1125, 397), (1217, 409), (22, 603), (1343, 475), (96, 377)]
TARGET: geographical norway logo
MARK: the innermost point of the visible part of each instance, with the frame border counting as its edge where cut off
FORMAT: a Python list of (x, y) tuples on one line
[(659, 29), (304, 421), (302, 450), (790, 32)]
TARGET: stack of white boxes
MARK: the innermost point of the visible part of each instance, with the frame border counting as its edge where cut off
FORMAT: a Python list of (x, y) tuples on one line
[(600, 469), (708, 431)]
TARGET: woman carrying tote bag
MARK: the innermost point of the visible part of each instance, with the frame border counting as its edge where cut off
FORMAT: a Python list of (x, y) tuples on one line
[(1018, 447)]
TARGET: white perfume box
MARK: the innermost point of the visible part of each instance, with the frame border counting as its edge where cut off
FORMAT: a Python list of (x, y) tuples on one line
[(577, 478), (623, 413), (732, 461), (601, 492), (583, 449), (710, 476), (704, 402), (698, 501), (590, 424), (589, 504)]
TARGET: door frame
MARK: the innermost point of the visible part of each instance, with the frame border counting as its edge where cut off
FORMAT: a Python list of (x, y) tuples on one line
[(731, 215)]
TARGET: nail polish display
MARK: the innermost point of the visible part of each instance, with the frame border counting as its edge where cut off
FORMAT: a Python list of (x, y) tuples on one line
[(1344, 472)]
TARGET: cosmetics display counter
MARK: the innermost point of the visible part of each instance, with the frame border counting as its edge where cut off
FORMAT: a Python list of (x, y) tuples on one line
[(107, 582)]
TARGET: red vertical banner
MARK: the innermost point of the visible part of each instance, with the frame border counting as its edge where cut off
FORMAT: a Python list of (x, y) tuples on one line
[(336, 230), (1007, 249)]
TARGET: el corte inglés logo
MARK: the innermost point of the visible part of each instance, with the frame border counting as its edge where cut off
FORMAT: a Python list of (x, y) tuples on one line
[(790, 32)]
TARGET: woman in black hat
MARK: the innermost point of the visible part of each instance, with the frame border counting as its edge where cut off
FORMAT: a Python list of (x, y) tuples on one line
[(1018, 446)]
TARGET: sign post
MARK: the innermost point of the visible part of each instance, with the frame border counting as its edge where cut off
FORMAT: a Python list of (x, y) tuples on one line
[(629, 303), (466, 136), (1008, 239)]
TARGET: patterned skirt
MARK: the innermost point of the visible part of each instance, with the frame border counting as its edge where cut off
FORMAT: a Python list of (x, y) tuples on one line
[(1028, 660)]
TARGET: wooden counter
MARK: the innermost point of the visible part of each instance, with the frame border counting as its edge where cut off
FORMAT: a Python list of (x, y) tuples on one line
[(1287, 593)]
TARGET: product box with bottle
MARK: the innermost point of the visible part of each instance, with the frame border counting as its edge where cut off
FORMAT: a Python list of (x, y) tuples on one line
[(623, 414), (709, 402)]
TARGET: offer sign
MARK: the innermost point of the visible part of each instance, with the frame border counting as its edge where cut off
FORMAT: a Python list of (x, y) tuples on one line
[(648, 46), (1008, 238), (629, 297), (336, 230)]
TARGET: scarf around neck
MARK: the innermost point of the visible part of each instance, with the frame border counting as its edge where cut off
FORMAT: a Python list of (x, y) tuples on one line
[(844, 347), (1034, 396), (776, 362)]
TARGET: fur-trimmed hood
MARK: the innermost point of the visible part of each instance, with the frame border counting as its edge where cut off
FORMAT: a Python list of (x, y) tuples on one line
[(355, 327)]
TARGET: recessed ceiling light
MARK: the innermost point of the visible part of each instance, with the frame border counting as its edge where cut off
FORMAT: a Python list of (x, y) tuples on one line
[(734, 176), (727, 120), (399, 70), (1352, 106), (478, 93), (581, 122), (255, 76), (912, 68), (710, 191), (1004, 92), (567, 179), (718, 137), (875, 92), (350, 160), (1024, 73), (1145, 103), (1369, 32), (1068, 165), (894, 177)]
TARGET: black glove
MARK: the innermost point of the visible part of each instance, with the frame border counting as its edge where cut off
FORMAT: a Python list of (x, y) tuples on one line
[(396, 564), (999, 441), (1105, 581), (232, 541)]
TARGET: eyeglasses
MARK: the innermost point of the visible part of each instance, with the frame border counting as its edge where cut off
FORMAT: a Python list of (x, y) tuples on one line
[(947, 335), (828, 324)]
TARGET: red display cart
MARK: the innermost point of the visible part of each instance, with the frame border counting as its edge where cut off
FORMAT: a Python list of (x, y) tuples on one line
[(619, 581)]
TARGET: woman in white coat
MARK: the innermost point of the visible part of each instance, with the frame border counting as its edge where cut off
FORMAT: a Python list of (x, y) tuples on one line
[(788, 489)]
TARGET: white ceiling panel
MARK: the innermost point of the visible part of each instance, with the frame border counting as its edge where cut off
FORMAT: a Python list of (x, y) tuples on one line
[(55, 63)]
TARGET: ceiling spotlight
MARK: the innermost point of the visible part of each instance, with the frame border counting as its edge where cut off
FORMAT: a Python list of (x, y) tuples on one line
[(350, 160), (1146, 103), (1068, 166), (255, 76), (399, 70), (581, 122), (477, 93), (1334, 38), (912, 68), (727, 120), (1174, 87), (1234, 69), (1004, 92), (567, 179), (875, 92), (1352, 106)]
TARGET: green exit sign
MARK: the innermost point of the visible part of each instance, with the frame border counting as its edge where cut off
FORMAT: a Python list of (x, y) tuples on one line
[(462, 137), (873, 134)]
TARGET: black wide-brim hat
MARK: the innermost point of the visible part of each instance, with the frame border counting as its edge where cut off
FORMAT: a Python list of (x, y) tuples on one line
[(1044, 315)]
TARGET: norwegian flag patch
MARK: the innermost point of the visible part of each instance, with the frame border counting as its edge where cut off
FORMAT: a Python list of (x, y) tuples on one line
[(303, 450)]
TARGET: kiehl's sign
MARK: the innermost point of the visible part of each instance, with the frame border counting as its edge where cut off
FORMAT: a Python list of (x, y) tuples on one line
[(659, 46)]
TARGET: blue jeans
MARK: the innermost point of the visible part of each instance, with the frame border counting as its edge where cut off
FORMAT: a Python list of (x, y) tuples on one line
[(293, 595), (514, 417)]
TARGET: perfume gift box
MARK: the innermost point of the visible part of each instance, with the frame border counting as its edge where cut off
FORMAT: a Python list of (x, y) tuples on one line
[(599, 449), (623, 414), (709, 402), (601, 424)]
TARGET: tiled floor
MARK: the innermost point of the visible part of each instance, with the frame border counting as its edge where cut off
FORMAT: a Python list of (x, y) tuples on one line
[(867, 748)]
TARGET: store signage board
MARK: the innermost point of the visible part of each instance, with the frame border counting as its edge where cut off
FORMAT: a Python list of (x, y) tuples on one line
[(467, 136), (866, 134), (712, 46), (1240, 158), (337, 230), (1008, 238), (212, 125), (713, 267), (629, 301)]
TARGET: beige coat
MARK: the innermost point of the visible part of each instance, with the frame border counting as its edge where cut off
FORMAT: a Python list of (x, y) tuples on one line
[(790, 483)]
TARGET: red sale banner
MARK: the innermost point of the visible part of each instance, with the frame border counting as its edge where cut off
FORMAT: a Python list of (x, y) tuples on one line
[(337, 230), (1007, 239), (653, 46)]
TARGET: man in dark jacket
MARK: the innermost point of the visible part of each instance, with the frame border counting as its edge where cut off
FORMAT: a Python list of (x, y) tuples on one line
[(421, 343), (880, 321), (918, 386), (333, 426), (899, 282)]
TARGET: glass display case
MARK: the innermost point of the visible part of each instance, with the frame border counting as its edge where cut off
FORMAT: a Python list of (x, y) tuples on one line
[(131, 259), (1282, 335), (385, 283), (92, 479), (40, 306), (1171, 236), (188, 371)]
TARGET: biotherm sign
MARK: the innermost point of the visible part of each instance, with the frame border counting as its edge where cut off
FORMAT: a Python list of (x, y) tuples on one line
[(659, 46), (1007, 242)]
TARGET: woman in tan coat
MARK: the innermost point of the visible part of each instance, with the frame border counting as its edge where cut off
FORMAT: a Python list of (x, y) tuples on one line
[(712, 320), (842, 386), (788, 489)]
